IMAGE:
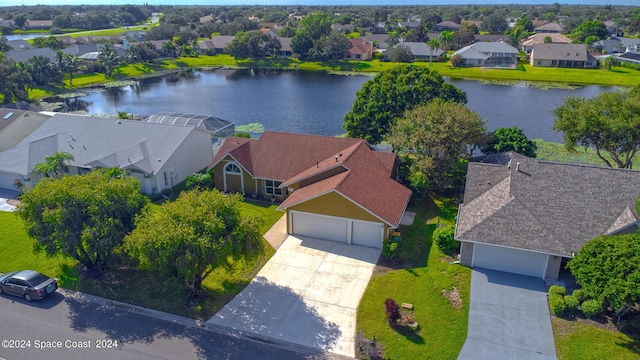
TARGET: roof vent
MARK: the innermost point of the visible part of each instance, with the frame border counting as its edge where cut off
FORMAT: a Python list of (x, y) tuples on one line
[(336, 158), (518, 166)]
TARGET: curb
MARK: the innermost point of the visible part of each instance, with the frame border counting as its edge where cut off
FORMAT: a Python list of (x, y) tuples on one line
[(193, 323)]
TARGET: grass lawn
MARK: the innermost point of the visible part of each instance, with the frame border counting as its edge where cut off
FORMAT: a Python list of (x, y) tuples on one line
[(577, 340), (552, 151), (420, 277), (124, 282)]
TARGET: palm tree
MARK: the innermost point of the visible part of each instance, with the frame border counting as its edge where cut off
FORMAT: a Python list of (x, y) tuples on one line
[(198, 180), (67, 64), (432, 44), (108, 58), (170, 49), (445, 39), (56, 164)]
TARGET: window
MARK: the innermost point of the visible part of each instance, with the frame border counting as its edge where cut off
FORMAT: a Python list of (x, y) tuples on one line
[(539, 62), (232, 168), (358, 56), (272, 187), (166, 179)]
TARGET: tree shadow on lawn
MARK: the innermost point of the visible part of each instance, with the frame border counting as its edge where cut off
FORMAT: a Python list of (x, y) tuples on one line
[(409, 333), (630, 326)]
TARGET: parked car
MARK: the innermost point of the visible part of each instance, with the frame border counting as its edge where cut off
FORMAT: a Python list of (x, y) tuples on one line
[(29, 284)]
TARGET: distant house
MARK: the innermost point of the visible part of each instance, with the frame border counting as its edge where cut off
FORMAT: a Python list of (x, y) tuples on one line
[(137, 35), (492, 38), (20, 45), (409, 24), (285, 46), (540, 38), (346, 28), (360, 50), (632, 57), (612, 28), (24, 55), (552, 27), (220, 42), (159, 155), (379, 41), (38, 24), (562, 55), (419, 50), (81, 50), (206, 19), (446, 26), (609, 46), (489, 54), (477, 23)]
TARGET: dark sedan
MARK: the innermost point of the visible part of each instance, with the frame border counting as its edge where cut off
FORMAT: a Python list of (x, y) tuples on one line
[(29, 284)]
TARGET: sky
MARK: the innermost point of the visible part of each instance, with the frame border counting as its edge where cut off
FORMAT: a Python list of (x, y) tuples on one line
[(314, 2)]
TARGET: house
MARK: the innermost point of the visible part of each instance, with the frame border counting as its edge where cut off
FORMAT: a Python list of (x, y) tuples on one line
[(379, 41), (489, 54), (81, 50), (491, 38), (159, 155), (548, 28), (135, 35), (632, 57), (540, 38), (346, 28), (409, 24), (20, 45), (220, 42), (530, 217), (446, 26), (24, 55), (285, 46), (612, 28), (38, 24), (16, 124), (419, 50), (609, 46), (562, 55), (476, 23), (331, 188), (359, 50)]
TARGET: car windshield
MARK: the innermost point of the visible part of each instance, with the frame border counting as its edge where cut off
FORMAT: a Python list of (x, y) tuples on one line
[(37, 280)]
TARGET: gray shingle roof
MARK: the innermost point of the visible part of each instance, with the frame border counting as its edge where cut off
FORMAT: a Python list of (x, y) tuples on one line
[(24, 55), (96, 141), (542, 206), (556, 51)]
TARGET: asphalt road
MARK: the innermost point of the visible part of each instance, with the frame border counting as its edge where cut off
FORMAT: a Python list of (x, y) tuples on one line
[(66, 326)]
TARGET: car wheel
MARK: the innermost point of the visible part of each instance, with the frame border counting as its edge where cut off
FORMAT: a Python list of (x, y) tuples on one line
[(27, 297)]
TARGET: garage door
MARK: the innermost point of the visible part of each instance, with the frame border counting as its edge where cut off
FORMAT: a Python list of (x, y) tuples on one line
[(510, 260), (319, 226), (367, 234)]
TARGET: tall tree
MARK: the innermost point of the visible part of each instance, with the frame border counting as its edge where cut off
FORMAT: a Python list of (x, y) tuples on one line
[(589, 28), (608, 123), (192, 236), (43, 71), (330, 47), (446, 37), (109, 58), (433, 44), (389, 94), (14, 81), (84, 216), (56, 164), (433, 138), (67, 63), (510, 139), (316, 24), (4, 44)]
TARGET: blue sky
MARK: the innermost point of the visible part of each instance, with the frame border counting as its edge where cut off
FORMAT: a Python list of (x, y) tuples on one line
[(311, 2)]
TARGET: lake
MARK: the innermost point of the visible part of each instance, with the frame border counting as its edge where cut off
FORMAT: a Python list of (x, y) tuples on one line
[(316, 102)]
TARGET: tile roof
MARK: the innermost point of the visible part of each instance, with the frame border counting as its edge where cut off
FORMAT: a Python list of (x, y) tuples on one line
[(539, 39), (366, 180), (359, 46), (553, 26), (543, 206)]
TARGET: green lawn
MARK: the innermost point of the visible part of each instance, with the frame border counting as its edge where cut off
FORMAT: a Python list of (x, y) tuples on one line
[(420, 278), (577, 340), (124, 282), (552, 151)]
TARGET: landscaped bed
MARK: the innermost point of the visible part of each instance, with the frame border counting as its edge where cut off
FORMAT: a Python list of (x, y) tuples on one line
[(423, 277)]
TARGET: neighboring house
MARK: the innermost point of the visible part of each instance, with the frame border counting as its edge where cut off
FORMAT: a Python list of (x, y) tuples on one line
[(159, 155), (609, 46), (24, 55), (331, 188), (219, 128), (15, 125), (548, 28), (380, 41), (82, 50), (206, 19), (419, 50), (562, 55), (207, 47), (629, 44), (135, 35), (632, 57), (527, 44), (285, 46), (20, 45), (446, 26), (491, 38), (409, 24), (38, 24), (360, 50), (347, 28), (477, 23), (220, 42), (612, 28), (530, 217), (489, 54)]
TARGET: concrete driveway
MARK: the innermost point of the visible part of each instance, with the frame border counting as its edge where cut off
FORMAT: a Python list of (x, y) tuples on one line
[(508, 318), (307, 294)]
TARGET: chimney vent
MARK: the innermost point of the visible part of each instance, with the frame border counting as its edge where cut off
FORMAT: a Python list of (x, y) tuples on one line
[(317, 163), (518, 166), (336, 158)]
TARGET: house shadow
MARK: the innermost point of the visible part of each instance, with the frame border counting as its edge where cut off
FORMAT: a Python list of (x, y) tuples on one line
[(268, 312), (128, 326)]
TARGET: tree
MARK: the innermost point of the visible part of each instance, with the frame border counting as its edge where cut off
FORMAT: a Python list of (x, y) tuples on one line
[(82, 216), (589, 28), (316, 25), (49, 41), (43, 71), (389, 94), (4, 44), (14, 81), (495, 23), (67, 64), (170, 49), (108, 58), (432, 44), (192, 236), (510, 139), (199, 180), (609, 123), (462, 38), (56, 164), (610, 61), (301, 43), (330, 47), (548, 39), (435, 138), (607, 269), (446, 37), (400, 53)]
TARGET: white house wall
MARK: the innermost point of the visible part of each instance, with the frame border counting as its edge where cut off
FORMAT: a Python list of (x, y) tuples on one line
[(194, 154)]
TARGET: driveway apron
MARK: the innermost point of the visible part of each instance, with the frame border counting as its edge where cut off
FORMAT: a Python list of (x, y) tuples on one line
[(508, 318), (307, 294)]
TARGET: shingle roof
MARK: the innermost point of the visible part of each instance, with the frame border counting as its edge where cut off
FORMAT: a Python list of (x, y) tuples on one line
[(560, 52), (221, 41), (553, 26), (539, 39), (96, 141), (542, 206), (365, 180), (8, 116), (24, 55)]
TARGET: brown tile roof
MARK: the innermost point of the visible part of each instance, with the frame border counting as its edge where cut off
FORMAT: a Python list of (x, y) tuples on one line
[(291, 157), (539, 39), (359, 46)]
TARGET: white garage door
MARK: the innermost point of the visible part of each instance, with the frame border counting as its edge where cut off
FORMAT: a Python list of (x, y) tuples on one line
[(367, 234), (510, 260), (319, 226)]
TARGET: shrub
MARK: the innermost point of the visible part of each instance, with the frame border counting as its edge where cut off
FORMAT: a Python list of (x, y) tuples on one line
[(572, 303), (559, 290), (579, 295), (389, 248), (591, 308), (443, 237), (393, 311), (557, 304), (368, 349), (456, 61)]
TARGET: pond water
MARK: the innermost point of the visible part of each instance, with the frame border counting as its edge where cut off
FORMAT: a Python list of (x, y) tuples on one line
[(316, 102)]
